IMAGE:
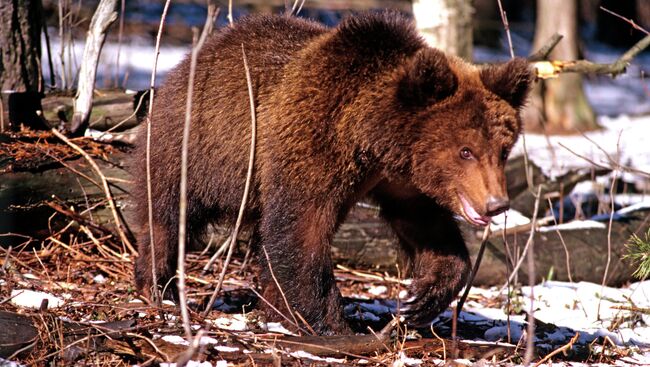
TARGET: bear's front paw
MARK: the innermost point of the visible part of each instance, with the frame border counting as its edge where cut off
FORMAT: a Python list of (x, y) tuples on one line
[(423, 302)]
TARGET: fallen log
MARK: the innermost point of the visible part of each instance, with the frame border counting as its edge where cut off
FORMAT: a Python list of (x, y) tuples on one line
[(110, 108)]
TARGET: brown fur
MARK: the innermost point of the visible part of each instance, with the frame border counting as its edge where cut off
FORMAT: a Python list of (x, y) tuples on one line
[(362, 110)]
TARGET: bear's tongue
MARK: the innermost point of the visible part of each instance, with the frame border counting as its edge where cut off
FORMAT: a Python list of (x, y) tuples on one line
[(472, 214)]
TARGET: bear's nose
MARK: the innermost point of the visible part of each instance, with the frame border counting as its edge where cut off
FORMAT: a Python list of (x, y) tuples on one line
[(496, 206)]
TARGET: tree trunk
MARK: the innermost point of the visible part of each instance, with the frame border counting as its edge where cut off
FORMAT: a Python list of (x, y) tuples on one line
[(559, 105), (104, 16), (20, 63), (446, 24), (20, 45)]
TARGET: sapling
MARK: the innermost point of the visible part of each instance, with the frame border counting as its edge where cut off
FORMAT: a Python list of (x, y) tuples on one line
[(639, 252)]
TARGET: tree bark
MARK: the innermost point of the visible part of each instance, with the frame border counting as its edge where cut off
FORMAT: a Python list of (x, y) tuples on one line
[(20, 45), (104, 16), (446, 24), (559, 105)]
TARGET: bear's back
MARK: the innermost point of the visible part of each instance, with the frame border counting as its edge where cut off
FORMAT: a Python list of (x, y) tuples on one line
[(220, 124)]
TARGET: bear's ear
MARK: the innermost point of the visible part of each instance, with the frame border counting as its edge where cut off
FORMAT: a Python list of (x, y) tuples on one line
[(426, 78), (510, 81)]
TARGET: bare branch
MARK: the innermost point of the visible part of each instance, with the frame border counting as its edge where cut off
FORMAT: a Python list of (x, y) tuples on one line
[(277, 284), (249, 176), (533, 229), (636, 26), (551, 69), (155, 294), (472, 275), (119, 226), (506, 26), (546, 49), (182, 209), (562, 349)]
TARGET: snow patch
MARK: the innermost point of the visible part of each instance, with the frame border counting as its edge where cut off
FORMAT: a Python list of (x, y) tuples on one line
[(622, 139), (276, 327), (574, 225), (303, 354), (232, 323), (225, 348), (509, 219), (402, 360), (33, 299), (7, 363), (378, 290), (196, 364)]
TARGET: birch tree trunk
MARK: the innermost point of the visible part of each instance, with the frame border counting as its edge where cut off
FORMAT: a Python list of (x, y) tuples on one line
[(559, 105), (446, 24), (104, 16)]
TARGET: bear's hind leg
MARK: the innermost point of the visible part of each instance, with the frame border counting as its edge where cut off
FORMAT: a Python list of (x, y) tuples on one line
[(439, 262), (166, 253)]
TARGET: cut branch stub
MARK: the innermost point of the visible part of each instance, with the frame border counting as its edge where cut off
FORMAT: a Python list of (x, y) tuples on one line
[(551, 69)]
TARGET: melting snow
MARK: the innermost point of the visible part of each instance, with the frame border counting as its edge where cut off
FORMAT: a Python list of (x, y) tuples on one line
[(403, 360), (623, 139), (196, 364), (33, 299), (576, 224), (302, 354), (276, 327), (510, 219)]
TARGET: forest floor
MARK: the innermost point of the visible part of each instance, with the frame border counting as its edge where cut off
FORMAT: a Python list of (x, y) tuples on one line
[(68, 299), (92, 316)]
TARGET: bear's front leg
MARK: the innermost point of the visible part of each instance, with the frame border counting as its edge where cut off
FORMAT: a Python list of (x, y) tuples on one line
[(297, 242), (438, 260)]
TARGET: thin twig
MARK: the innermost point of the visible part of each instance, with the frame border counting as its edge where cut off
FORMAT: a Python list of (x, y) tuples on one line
[(566, 249), (562, 349), (477, 263), (268, 303), (506, 26), (249, 176), (615, 163), (119, 226), (135, 112), (229, 16), (509, 260), (609, 231), (533, 229), (216, 255), (182, 206), (119, 43), (530, 328), (195, 344), (636, 26), (155, 294), (284, 298), (546, 49)]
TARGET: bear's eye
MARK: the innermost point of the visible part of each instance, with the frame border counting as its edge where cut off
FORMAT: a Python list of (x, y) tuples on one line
[(504, 154), (465, 153)]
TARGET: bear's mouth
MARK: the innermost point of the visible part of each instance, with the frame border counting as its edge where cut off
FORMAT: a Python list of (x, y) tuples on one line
[(471, 215)]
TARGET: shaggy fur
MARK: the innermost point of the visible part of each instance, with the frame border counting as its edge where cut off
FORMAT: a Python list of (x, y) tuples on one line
[(362, 110)]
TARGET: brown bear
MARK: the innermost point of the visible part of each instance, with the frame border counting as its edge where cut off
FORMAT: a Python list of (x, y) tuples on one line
[(363, 110)]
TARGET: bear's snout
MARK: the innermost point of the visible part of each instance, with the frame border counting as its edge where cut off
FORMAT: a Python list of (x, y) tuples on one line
[(496, 205)]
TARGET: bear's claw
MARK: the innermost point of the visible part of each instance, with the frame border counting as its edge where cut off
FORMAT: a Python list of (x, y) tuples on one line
[(421, 311)]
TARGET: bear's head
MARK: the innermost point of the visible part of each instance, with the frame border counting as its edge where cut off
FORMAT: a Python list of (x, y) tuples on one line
[(463, 120)]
